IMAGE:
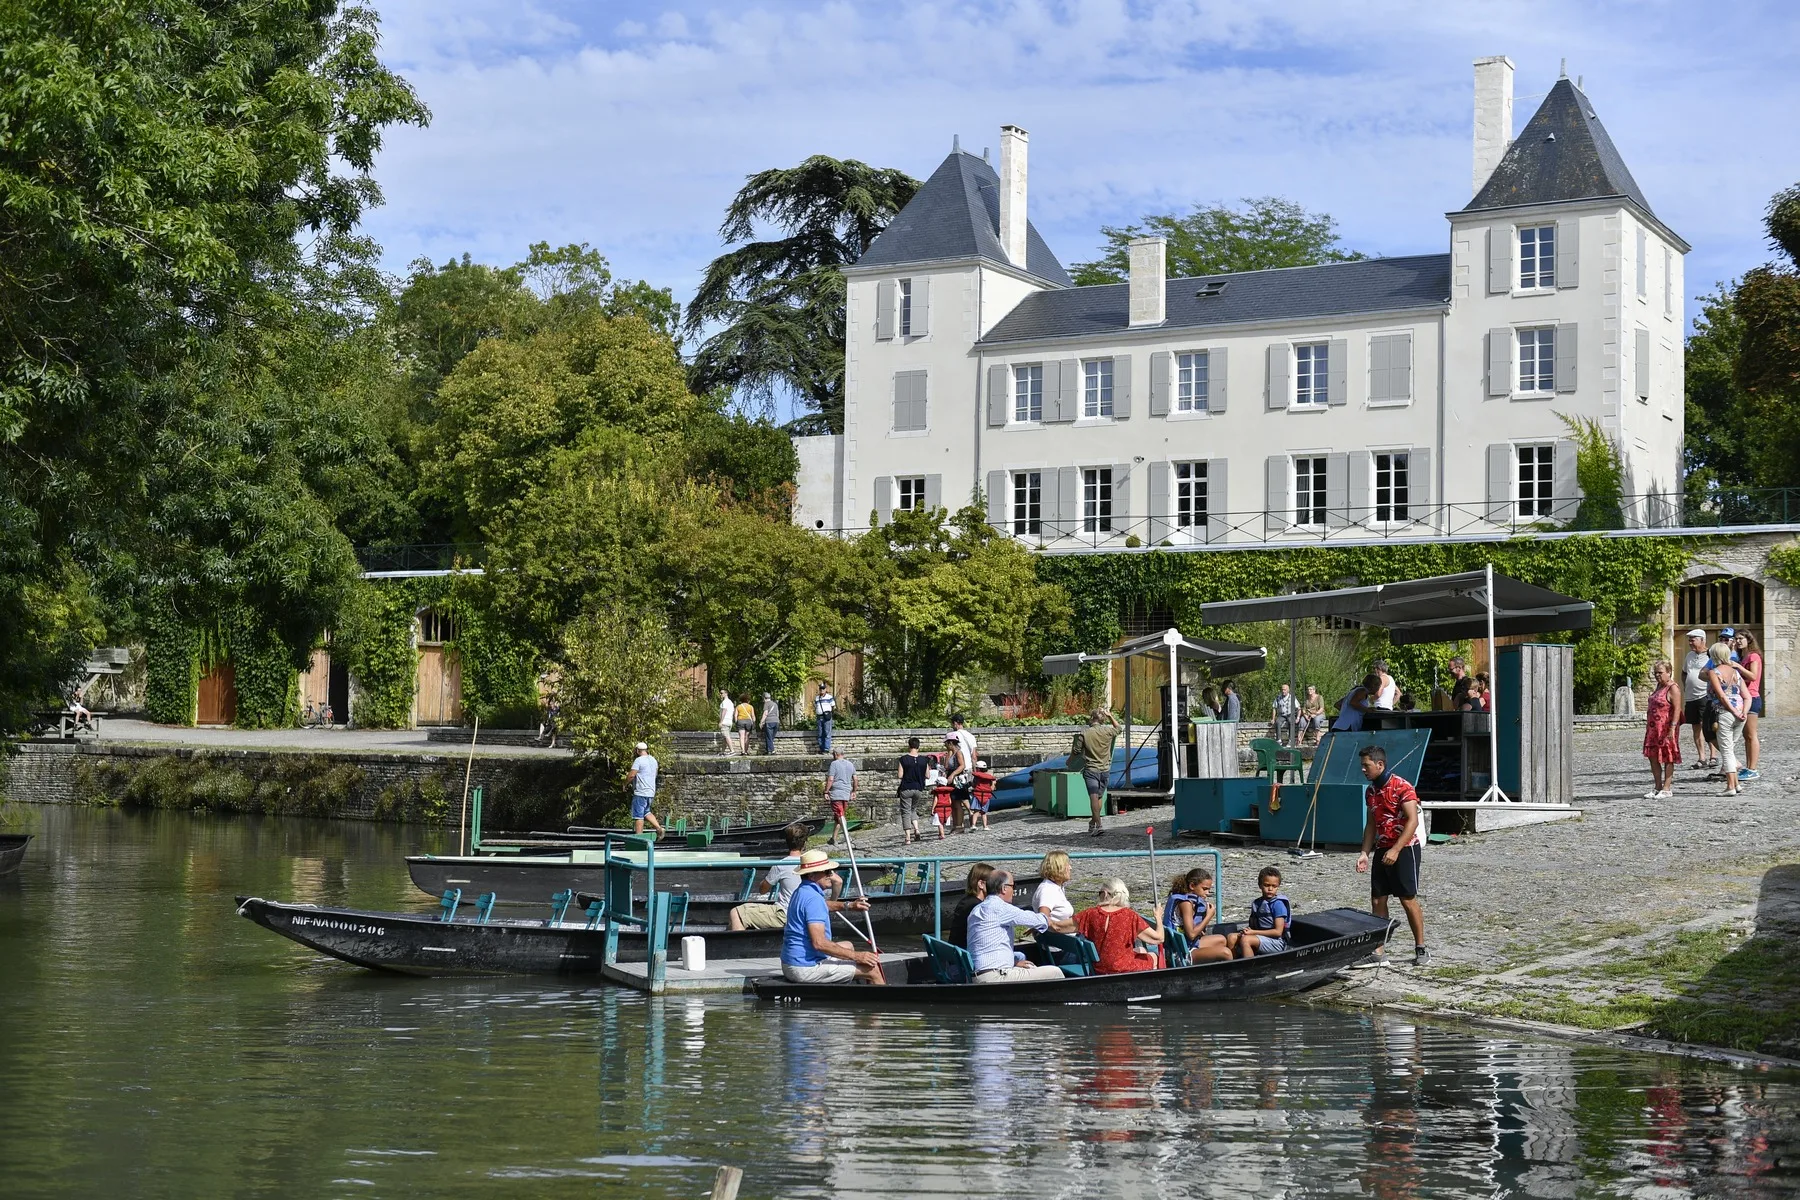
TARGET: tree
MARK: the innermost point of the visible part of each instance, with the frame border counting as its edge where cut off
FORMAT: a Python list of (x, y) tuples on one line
[(1599, 473), (947, 595), (781, 302), (620, 680), (1264, 233)]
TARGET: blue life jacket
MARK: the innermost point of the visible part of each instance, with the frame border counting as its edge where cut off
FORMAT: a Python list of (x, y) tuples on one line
[(1170, 917), (1263, 912)]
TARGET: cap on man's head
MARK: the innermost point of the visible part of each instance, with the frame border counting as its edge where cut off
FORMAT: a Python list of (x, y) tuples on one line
[(1727, 633), (1697, 633), (643, 745)]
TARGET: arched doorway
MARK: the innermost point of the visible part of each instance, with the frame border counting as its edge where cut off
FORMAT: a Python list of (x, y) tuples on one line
[(438, 698), (1713, 602)]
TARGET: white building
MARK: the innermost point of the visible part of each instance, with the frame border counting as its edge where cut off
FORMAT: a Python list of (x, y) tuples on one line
[(1414, 396)]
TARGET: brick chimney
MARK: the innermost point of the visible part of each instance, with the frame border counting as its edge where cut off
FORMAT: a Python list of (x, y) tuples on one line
[(1493, 115), (1013, 141), (1149, 266)]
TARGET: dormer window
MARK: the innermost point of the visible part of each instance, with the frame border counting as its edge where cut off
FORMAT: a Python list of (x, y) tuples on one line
[(1211, 287), (1537, 257)]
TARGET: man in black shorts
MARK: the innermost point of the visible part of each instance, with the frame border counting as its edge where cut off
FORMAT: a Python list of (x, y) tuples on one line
[(1391, 846)]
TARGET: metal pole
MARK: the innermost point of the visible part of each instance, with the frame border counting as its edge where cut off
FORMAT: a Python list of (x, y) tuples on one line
[(1173, 716), (462, 828), (856, 874), (1493, 694), (1294, 677)]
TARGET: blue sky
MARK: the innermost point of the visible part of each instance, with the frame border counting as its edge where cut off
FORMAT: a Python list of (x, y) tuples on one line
[(629, 125)]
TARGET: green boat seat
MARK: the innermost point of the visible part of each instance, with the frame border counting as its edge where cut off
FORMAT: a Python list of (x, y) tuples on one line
[(678, 906), (596, 911), (447, 906), (484, 906), (1074, 954), (699, 839), (559, 906), (950, 963), (1176, 943), (749, 888)]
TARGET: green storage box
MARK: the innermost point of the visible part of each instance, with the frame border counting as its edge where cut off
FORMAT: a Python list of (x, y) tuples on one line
[(1061, 794)]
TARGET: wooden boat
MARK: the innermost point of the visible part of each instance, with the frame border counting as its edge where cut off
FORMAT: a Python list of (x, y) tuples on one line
[(1321, 945), (534, 878), (423, 944), (12, 851), (756, 841)]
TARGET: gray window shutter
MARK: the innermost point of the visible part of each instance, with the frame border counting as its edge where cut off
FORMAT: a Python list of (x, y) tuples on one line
[(1499, 362), (1277, 394), (934, 491), (1567, 497), (1643, 262), (1218, 498), (884, 499), (1400, 366), (1565, 357), (1068, 392), (1337, 492), (1277, 504), (1159, 383), (1500, 483), (1121, 497), (909, 401), (887, 307), (1361, 486), (1216, 373), (1337, 386), (1068, 499), (1162, 510), (1052, 392), (1000, 395), (1568, 253), (1418, 483), (921, 306), (997, 500), (1122, 387), (1380, 357), (1643, 364), (1500, 251)]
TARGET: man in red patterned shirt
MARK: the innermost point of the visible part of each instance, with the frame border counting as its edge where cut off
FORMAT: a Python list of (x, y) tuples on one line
[(1393, 835)]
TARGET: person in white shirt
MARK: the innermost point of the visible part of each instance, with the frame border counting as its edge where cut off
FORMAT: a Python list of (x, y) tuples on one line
[(778, 887), (642, 781), (726, 710), (991, 926), (1696, 686), (1388, 695), (1050, 899), (965, 769)]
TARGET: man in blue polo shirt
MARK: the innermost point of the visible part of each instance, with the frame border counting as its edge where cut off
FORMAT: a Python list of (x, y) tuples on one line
[(808, 955)]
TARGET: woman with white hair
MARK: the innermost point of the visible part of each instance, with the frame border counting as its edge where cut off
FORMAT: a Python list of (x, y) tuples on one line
[(1729, 699), (1125, 940)]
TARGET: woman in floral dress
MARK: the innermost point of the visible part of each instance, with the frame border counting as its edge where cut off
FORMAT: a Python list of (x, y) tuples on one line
[(1660, 744)]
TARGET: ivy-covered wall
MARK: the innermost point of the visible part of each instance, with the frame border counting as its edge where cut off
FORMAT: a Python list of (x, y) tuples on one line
[(176, 655), (1625, 578), (171, 667)]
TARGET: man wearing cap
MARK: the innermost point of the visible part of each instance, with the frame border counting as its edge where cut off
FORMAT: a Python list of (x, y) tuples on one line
[(1695, 687), (991, 926), (642, 780), (808, 955)]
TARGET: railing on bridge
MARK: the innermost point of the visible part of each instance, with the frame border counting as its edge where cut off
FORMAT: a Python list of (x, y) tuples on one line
[(439, 556)]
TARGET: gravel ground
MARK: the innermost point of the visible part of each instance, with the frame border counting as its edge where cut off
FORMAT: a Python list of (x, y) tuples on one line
[(1595, 920)]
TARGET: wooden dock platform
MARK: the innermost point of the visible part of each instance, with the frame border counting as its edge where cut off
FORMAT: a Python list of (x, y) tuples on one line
[(729, 976)]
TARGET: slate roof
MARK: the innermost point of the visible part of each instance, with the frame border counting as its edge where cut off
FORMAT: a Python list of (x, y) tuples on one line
[(1563, 153), (1293, 293), (956, 214)]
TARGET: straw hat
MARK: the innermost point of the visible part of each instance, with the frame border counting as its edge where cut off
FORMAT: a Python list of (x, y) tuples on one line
[(814, 862)]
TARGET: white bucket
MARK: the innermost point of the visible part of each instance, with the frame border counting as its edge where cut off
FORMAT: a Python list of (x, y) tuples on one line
[(693, 953)]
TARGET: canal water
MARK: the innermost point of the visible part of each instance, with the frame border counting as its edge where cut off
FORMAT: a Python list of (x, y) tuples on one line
[(153, 1043)]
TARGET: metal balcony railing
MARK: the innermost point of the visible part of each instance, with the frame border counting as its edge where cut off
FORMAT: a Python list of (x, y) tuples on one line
[(440, 556)]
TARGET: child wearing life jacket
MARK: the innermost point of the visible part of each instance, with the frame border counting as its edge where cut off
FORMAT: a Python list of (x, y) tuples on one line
[(1269, 916), (942, 806), (982, 797)]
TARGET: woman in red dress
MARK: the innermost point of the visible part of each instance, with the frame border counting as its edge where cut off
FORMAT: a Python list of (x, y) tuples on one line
[(1661, 746), (1125, 940)]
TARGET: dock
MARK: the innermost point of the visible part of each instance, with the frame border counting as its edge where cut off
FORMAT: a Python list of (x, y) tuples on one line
[(726, 976)]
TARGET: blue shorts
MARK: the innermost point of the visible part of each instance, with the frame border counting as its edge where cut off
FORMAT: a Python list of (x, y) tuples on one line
[(640, 807), (1266, 944), (1756, 706), (979, 804)]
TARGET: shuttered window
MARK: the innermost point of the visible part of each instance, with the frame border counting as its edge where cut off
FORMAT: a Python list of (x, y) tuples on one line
[(1312, 374), (909, 493), (1537, 256), (1096, 500), (1537, 360), (1097, 387), (909, 401), (1028, 392), (906, 310), (1190, 495), (1537, 480), (1392, 486), (1027, 502), (1643, 263), (1192, 379), (1309, 491)]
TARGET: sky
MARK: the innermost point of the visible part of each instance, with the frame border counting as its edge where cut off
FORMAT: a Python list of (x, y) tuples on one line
[(629, 124)]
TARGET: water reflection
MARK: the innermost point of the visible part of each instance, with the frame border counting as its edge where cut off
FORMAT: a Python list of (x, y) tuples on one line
[(151, 1042)]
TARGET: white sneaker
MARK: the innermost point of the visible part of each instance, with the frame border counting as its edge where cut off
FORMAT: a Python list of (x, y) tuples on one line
[(1662, 795), (1651, 795)]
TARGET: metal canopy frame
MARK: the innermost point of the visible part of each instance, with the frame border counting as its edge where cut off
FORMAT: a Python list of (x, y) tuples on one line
[(1438, 608), (1221, 659)]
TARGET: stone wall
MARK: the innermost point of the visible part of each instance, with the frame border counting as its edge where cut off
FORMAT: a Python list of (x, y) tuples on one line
[(1747, 555)]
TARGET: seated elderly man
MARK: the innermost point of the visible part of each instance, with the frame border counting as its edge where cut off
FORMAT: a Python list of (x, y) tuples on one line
[(991, 927)]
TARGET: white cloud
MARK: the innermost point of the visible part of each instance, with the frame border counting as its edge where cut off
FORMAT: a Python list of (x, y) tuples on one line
[(635, 140)]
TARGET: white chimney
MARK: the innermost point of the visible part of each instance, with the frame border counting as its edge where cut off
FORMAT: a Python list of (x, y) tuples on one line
[(1149, 264), (1013, 141), (1493, 115)]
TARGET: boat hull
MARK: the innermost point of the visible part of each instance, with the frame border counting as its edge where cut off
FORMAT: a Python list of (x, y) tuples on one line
[(1330, 941), (421, 944), (12, 851)]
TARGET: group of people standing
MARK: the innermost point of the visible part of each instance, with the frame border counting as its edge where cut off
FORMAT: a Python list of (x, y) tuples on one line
[(959, 785), (1719, 699), (737, 721)]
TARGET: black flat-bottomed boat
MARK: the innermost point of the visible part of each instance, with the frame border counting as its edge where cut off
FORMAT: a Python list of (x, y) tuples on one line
[(1321, 944), (12, 851)]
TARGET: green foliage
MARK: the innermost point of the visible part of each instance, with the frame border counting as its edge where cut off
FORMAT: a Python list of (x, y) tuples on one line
[(781, 302), (946, 595), (50, 618), (1720, 445), (499, 671), (265, 670), (1266, 232), (1600, 475), (1625, 578), (1784, 564), (374, 637), (171, 664), (621, 683)]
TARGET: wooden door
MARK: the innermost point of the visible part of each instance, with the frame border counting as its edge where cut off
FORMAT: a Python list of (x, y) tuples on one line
[(315, 681), (218, 696), (439, 698)]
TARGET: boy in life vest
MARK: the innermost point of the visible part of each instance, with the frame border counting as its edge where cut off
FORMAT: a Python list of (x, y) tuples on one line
[(942, 807), (981, 798), (1269, 916)]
